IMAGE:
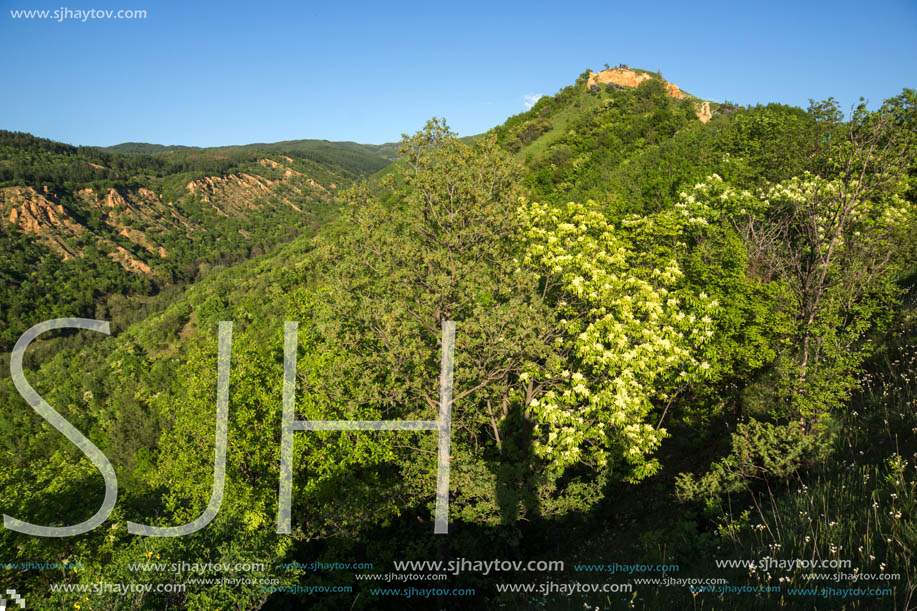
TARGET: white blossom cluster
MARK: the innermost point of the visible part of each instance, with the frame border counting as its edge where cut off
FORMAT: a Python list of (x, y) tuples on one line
[(625, 327)]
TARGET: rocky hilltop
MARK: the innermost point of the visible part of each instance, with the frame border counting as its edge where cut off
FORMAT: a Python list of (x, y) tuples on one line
[(626, 77)]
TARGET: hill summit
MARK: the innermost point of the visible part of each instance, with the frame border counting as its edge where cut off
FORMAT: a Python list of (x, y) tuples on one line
[(622, 76), (626, 77)]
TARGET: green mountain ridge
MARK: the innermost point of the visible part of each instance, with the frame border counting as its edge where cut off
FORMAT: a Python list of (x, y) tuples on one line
[(144, 148), (306, 146)]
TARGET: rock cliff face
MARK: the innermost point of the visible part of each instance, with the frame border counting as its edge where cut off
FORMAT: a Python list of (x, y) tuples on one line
[(235, 192), (39, 213), (625, 77), (139, 215)]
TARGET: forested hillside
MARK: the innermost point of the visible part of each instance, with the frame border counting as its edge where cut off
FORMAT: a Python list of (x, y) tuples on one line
[(83, 228), (686, 332)]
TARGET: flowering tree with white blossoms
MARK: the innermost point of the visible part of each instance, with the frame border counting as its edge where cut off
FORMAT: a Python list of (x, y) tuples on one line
[(836, 240), (836, 243), (834, 247), (837, 253), (630, 333)]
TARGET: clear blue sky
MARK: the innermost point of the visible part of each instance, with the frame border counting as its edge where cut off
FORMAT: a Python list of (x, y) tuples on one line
[(233, 73)]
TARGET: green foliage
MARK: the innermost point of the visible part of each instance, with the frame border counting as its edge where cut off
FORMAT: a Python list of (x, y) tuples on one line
[(833, 246), (577, 162), (626, 333), (439, 246), (37, 285), (761, 452)]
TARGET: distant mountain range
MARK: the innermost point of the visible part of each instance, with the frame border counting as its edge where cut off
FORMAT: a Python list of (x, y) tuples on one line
[(315, 147)]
